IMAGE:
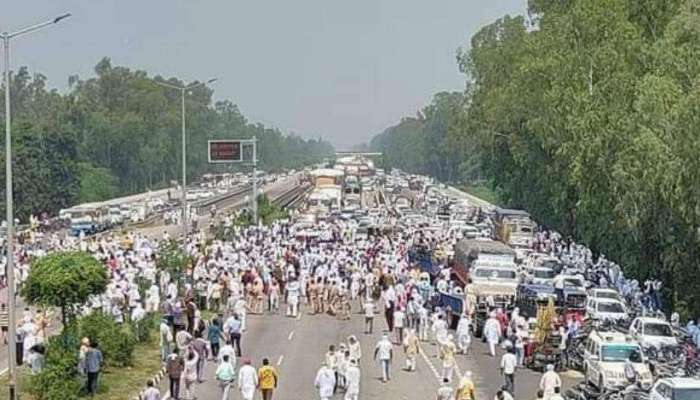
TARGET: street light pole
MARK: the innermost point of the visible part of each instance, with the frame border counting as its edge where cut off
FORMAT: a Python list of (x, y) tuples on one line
[(9, 237), (183, 91), (184, 173)]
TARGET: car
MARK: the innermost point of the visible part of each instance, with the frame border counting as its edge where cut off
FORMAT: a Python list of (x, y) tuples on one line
[(654, 332), (604, 360), (600, 293), (675, 389), (605, 309)]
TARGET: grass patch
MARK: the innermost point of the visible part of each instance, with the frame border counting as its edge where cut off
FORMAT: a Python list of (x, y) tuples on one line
[(483, 192), (115, 383)]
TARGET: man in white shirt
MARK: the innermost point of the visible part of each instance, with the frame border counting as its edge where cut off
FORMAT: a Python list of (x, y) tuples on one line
[(549, 381), (369, 316), (247, 380), (385, 352), (445, 392), (509, 364), (151, 393)]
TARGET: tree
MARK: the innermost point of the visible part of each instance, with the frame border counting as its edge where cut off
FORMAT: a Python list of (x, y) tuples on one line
[(65, 280)]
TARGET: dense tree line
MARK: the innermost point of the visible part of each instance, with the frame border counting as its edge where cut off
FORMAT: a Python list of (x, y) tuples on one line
[(119, 132), (587, 114)]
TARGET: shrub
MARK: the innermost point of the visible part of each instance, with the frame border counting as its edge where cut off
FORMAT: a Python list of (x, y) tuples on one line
[(115, 341), (59, 379)]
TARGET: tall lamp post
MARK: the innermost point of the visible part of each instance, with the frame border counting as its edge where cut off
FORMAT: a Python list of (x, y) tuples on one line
[(183, 91), (9, 271)]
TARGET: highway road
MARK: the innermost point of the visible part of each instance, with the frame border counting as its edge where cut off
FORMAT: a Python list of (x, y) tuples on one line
[(296, 346)]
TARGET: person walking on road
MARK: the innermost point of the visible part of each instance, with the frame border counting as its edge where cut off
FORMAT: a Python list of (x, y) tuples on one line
[(464, 337), (354, 348), (352, 381), (447, 354), (227, 350), (384, 350), (233, 327), (151, 392), (411, 348), (225, 375), (247, 380), (189, 373), (166, 339), (503, 395), (93, 365), (368, 308), (509, 364), (199, 345), (325, 382), (214, 336), (549, 381), (174, 366), (267, 379), (466, 389), (445, 391), (492, 333)]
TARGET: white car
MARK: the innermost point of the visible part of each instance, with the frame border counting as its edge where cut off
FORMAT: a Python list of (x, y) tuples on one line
[(675, 389), (605, 309), (604, 360), (653, 332), (610, 294)]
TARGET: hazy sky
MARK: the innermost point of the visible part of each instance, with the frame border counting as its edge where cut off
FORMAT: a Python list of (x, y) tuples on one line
[(343, 70)]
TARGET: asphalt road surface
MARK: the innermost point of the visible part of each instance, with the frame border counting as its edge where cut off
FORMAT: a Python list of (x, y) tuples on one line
[(297, 346)]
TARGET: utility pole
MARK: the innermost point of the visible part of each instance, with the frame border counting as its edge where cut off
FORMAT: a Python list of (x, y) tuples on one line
[(183, 91), (255, 181), (9, 194)]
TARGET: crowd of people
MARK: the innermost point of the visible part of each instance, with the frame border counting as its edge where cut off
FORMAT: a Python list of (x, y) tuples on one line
[(279, 268)]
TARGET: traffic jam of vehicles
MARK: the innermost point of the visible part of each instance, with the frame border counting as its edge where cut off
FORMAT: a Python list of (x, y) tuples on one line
[(576, 311)]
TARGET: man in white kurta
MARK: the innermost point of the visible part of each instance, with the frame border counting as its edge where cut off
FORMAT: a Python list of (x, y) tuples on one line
[(325, 382), (352, 379), (492, 333), (247, 380)]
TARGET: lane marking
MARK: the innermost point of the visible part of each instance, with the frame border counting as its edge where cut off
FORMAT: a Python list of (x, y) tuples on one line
[(279, 360), (291, 335), (299, 316), (430, 364)]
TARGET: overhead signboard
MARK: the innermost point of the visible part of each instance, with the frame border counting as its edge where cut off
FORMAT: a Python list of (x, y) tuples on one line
[(225, 151)]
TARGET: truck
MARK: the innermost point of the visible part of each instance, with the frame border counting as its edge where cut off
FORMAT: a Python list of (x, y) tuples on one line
[(514, 227), (88, 219), (467, 252)]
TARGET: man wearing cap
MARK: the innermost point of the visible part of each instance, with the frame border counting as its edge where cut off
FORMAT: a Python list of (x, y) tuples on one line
[(385, 352)]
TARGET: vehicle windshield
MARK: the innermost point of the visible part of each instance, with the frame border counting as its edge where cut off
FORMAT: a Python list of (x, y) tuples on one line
[(494, 273), (610, 308), (654, 329), (543, 274), (549, 264), (686, 394), (617, 352), (608, 295), (572, 282)]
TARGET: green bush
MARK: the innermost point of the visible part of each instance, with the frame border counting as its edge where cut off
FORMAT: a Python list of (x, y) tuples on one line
[(59, 379), (116, 341), (142, 329)]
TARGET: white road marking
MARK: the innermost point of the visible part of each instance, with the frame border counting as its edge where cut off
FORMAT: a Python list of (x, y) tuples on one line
[(291, 335), (430, 364), (299, 315), (4, 371), (279, 360)]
